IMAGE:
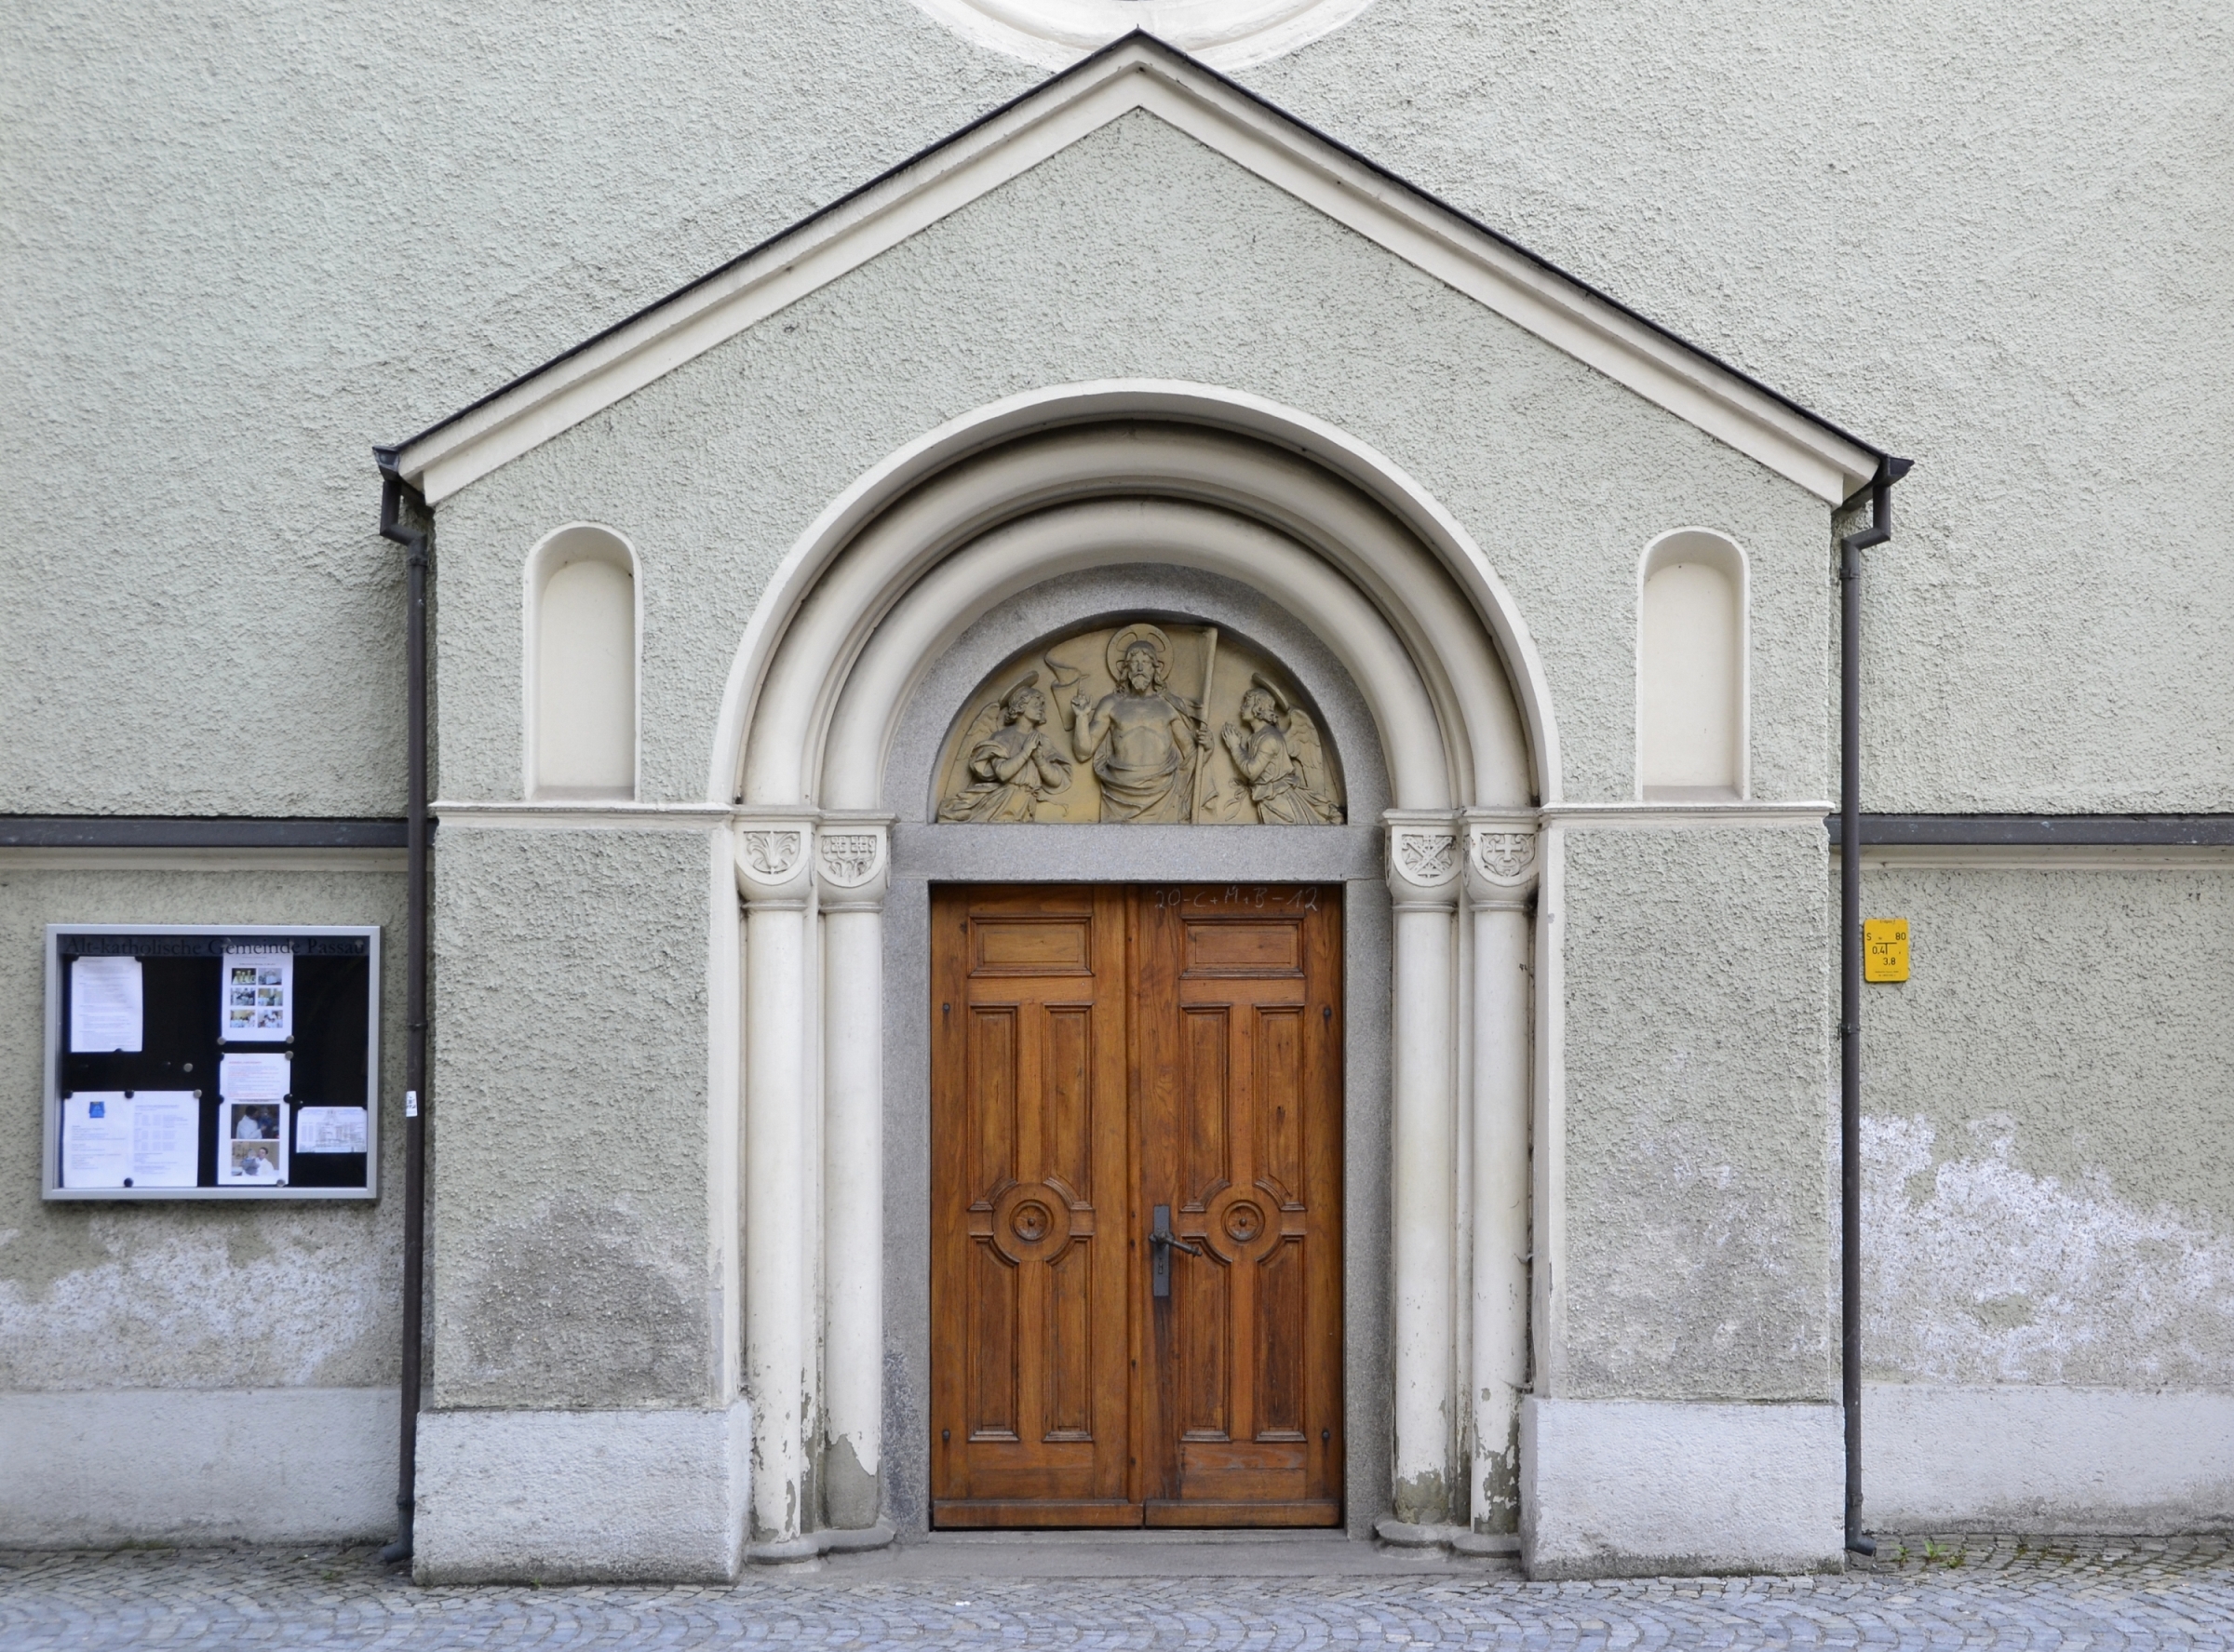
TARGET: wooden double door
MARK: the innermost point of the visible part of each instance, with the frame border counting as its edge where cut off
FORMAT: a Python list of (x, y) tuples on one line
[(1136, 1188)]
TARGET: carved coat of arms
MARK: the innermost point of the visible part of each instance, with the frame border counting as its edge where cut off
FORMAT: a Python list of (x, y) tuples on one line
[(1427, 857), (1504, 857), (848, 858)]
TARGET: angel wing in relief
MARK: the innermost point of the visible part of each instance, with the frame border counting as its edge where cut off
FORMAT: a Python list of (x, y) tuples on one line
[(1278, 752), (1011, 760)]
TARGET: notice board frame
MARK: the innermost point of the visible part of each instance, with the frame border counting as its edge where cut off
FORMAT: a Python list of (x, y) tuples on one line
[(50, 1158)]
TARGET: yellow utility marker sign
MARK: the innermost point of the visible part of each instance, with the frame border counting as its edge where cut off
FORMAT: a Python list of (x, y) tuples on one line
[(1884, 948)]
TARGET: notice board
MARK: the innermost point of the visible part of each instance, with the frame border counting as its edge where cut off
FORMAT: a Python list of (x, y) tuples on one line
[(213, 1062)]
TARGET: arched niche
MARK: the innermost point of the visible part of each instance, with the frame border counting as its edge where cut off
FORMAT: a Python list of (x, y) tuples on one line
[(581, 622), (1691, 669)]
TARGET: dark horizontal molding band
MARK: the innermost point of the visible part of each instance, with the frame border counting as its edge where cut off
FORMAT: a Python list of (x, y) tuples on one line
[(226, 831), (2073, 831), (143, 831)]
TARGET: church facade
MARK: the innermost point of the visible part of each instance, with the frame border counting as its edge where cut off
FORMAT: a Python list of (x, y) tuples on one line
[(1142, 825)]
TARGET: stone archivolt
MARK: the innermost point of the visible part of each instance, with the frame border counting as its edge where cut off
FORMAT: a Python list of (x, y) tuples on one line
[(1116, 737)]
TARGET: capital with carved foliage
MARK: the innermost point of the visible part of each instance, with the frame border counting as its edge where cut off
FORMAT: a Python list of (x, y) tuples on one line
[(775, 862), (1423, 858), (1500, 858)]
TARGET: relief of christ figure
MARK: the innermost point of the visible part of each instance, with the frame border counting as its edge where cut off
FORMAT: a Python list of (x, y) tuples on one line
[(1141, 738)]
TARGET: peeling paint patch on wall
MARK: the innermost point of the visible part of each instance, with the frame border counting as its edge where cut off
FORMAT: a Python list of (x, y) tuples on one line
[(1978, 1271), (190, 1308)]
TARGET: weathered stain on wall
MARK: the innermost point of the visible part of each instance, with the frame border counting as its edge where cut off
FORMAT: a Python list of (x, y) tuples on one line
[(1698, 1115), (583, 1302), (2050, 1193), (189, 1296), (1978, 1271), (574, 1266)]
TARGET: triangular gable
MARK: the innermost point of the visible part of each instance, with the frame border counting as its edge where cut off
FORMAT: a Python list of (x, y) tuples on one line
[(1141, 72)]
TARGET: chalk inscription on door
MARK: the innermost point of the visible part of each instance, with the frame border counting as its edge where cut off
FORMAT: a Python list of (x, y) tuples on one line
[(1135, 1189)]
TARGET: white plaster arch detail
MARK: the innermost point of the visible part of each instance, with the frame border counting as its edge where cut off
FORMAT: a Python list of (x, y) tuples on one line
[(1072, 538), (875, 591), (1224, 34), (576, 541), (750, 707), (1726, 556)]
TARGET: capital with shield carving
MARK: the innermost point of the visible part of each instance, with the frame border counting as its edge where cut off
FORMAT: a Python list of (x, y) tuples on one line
[(1423, 858), (1500, 858), (852, 862), (776, 859)]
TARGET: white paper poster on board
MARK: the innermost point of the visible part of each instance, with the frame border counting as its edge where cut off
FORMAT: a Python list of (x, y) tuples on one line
[(149, 1139), (252, 1148), (97, 1139), (330, 1130), (252, 1078), (167, 1139), (105, 1005), (257, 998)]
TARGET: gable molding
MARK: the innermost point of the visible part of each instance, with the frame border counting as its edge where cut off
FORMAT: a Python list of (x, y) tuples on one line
[(1140, 73)]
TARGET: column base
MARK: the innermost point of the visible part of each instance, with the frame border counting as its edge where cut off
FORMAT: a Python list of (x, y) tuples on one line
[(582, 1496), (1635, 1488)]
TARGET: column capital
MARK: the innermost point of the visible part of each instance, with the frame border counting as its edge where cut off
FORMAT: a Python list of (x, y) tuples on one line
[(1423, 858), (774, 860), (852, 862), (1500, 857)]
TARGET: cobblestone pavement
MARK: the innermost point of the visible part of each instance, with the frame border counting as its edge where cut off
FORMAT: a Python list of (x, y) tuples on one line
[(1937, 1595)]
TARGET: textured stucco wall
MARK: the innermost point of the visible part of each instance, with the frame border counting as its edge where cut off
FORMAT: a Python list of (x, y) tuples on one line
[(1699, 1120), (1983, 236), (241, 247), (1135, 253), (150, 1295), (2050, 1130), (571, 1121)]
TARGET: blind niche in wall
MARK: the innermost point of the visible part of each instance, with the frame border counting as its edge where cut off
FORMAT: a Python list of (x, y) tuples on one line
[(209, 1062)]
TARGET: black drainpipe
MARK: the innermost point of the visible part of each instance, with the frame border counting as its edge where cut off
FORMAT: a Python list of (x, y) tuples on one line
[(394, 492), (1851, 547)]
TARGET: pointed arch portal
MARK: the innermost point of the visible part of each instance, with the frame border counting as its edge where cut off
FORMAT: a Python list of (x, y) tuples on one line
[(912, 585)]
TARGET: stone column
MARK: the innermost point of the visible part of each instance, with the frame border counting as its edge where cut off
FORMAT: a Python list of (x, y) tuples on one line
[(851, 865), (775, 878), (1500, 886), (1423, 882)]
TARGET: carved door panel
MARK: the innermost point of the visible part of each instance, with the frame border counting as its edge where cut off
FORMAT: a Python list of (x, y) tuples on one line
[(1097, 1053), (1238, 1034), (1031, 1195)]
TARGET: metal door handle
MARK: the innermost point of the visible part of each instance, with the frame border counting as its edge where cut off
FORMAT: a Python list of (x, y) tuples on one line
[(1162, 1242)]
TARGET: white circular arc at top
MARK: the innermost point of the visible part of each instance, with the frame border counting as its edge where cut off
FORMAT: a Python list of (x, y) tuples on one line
[(1223, 33)]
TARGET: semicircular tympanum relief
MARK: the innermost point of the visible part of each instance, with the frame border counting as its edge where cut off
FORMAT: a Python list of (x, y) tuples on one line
[(1155, 722)]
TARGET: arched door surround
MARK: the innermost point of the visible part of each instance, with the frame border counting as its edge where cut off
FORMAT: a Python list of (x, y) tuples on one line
[(1020, 497)]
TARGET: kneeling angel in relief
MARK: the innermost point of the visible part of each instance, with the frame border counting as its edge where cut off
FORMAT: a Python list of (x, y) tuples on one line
[(1013, 762), (1280, 759)]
